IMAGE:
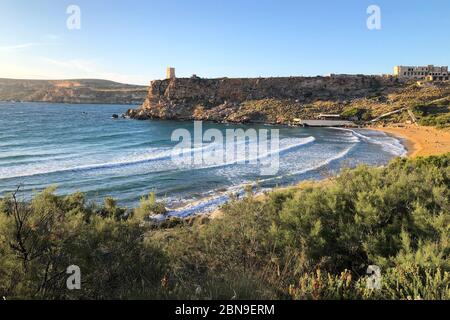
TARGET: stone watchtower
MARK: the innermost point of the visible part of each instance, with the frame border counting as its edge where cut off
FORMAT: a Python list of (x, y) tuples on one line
[(170, 73)]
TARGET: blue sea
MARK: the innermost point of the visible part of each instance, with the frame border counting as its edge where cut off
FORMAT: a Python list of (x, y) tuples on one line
[(81, 148)]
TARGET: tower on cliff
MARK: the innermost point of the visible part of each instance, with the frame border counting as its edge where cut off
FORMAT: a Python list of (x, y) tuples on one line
[(170, 73)]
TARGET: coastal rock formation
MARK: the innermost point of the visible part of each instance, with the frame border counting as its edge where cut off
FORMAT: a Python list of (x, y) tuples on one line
[(269, 100), (72, 91)]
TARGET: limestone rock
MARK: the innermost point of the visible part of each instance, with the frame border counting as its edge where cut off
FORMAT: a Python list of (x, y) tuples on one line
[(269, 100)]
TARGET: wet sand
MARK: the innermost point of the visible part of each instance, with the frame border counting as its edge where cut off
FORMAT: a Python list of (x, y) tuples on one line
[(420, 140)]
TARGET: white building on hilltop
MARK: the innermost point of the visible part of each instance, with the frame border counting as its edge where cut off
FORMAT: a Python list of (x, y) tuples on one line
[(431, 73)]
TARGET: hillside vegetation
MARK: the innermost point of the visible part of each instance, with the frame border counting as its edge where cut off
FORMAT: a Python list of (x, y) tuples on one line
[(314, 241), (430, 104)]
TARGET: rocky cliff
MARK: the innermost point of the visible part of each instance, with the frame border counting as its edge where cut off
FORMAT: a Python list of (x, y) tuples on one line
[(269, 100), (72, 91)]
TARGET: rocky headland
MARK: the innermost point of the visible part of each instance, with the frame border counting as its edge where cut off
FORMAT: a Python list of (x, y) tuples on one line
[(280, 100), (268, 100)]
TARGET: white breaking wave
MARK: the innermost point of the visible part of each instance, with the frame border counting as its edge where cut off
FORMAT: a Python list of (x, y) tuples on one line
[(161, 154), (134, 159), (387, 143), (253, 150), (212, 203)]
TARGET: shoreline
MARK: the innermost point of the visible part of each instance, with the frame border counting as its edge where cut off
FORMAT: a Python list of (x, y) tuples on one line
[(420, 140)]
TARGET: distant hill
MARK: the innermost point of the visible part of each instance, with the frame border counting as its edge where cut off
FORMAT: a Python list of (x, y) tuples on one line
[(72, 91)]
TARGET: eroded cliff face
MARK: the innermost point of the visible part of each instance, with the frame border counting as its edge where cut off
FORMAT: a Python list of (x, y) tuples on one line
[(270, 100)]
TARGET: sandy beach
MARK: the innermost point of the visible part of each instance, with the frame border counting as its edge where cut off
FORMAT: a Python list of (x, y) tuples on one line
[(420, 140)]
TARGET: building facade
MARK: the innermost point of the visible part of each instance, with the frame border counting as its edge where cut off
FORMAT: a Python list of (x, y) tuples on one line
[(431, 73)]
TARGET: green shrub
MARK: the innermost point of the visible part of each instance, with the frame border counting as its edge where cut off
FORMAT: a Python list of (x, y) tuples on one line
[(111, 210), (398, 283), (359, 113), (40, 239), (396, 217), (261, 247), (149, 206), (435, 113)]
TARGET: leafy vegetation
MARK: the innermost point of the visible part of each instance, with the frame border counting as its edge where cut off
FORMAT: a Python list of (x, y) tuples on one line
[(435, 113), (149, 207), (430, 103), (313, 241), (40, 239), (358, 113)]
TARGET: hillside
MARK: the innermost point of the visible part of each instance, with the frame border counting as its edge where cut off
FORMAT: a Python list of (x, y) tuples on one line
[(71, 91), (280, 100)]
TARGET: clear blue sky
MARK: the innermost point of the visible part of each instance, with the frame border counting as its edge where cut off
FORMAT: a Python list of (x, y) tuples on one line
[(135, 40)]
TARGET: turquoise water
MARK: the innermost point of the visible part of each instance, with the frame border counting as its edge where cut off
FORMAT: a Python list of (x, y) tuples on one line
[(80, 148)]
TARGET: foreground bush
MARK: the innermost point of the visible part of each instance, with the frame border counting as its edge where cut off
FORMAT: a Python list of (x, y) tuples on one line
[(313, 241), (411, 283), (39, 240), (397, 218), (148, 207)]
